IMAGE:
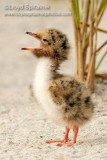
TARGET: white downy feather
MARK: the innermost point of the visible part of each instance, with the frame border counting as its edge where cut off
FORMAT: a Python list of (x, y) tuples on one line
[(42, 77)]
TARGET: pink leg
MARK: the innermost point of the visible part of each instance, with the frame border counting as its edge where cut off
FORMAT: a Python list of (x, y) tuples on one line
[(62, 141), (75, 130)]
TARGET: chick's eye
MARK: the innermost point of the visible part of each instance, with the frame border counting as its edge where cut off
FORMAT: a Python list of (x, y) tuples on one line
[(45, 40)]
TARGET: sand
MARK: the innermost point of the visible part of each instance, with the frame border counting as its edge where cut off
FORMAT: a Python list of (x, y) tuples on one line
[(24, 126)]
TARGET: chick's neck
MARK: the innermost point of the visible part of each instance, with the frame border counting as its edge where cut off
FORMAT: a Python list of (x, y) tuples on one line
[(54, 69)]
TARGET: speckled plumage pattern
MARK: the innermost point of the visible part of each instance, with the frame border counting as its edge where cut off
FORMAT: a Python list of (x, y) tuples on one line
[(57, 44), (65, 99), (73, 99)]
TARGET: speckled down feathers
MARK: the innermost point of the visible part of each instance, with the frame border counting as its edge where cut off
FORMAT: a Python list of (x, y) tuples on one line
[(65, 99), (57, 43), (60, 44), (73, 99)]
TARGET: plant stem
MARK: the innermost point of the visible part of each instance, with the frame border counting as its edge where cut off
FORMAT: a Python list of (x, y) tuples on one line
[(91, 74), (87, 3), (76, 40), (103, 2), (81, 65), (84, 30), (99, 29), (101, 61), (98, 75), (87, 39), (96, 19), (101, 46)]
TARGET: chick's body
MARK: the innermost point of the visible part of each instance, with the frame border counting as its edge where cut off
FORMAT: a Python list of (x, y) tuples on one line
[(65, 99)]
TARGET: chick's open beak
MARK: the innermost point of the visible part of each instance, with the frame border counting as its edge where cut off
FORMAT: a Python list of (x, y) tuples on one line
[(32, 49), (35, 36), (41, 51), (32, 34)]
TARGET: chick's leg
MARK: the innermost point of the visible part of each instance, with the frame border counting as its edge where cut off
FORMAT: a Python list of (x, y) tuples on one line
[(62, 141), (75, 130)]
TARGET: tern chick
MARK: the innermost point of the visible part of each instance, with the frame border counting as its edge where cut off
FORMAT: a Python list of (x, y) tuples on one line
[(65, 99)]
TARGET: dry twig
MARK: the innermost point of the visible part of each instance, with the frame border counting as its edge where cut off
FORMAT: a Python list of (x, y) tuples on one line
[(105, 43)]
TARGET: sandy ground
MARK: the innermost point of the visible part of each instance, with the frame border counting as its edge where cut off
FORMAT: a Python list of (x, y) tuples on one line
[(24, 127)]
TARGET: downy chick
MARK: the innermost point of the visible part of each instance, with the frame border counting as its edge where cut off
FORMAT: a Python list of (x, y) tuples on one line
[(65, 99)]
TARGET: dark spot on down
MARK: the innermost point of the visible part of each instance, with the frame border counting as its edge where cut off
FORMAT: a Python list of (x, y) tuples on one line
[(87, 100), (53, 38), (61, 36), (85, 118), (64, 45), (51, 31), (71, 83), (62, 82), (78, 99), (57, 32), (55, 95), (78, 102), (49, 43), (66, 109), (72, 104), (77, 84), (56, 53), (67, 97)]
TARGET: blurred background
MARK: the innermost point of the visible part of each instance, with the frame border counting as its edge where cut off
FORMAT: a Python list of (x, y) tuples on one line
[(16, 66), (21, 120)]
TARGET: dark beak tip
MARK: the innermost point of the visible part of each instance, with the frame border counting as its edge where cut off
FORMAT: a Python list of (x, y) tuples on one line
[(26, 32), (22, 48)]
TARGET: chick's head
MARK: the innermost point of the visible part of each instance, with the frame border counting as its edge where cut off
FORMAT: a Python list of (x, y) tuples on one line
[(53, 44)]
